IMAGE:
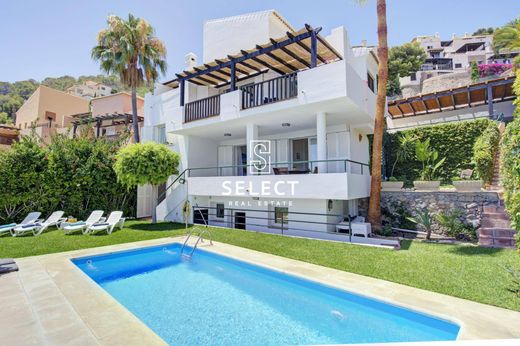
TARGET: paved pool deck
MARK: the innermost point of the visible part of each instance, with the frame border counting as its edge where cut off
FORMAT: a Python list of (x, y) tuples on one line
[(50, 301)]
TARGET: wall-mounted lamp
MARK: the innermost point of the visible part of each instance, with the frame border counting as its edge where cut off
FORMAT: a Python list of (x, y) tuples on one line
[(286, 125)]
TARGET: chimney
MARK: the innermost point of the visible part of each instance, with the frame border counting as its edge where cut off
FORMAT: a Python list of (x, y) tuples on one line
[(190, 61), (364, 43)]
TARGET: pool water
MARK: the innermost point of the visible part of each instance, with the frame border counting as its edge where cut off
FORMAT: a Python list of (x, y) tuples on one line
[(215, 300)]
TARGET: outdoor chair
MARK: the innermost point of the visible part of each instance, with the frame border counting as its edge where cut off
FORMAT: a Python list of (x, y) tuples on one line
[(29, 219), (114, 220), (82, 226), (37, 228)]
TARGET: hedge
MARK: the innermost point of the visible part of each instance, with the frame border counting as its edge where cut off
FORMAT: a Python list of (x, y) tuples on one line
[(455, 141), (484, 151), (510, 169), (73, 175)]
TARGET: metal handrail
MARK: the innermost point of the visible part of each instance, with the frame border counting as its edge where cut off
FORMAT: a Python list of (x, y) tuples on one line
[(288, 163), (163, 194)]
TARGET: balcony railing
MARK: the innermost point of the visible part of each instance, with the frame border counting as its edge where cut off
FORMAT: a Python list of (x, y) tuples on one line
[(202, 109), (270, 91)]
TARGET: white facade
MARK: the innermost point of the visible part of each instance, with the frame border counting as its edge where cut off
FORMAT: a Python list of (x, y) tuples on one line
[(325, 126), (90, 90)]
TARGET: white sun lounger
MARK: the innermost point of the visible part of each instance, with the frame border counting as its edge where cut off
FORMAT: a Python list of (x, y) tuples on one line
[(114, 220), (37, 228), (30, 218), (82, 226)]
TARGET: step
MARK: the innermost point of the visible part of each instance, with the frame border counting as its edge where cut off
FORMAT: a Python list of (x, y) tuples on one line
[(496, 232), (495, 223), (496, 242), (493, 209), (495, 215)]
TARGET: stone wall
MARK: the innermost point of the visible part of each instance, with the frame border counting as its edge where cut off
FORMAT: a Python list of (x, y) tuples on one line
[(472, 203), (446, 81)]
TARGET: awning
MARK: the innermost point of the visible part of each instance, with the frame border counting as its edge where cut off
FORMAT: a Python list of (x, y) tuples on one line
[(115, 119), (446, 100), (284, 55)]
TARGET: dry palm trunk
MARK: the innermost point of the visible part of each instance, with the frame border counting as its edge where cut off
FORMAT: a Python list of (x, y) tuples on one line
[(135, 119), (374, 207)]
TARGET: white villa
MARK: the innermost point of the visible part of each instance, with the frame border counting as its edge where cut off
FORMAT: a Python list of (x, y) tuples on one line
[(307, 99)]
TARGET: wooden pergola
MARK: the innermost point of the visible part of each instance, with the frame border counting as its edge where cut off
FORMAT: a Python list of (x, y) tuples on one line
[(100, 121), (291, 53), (477, 94)]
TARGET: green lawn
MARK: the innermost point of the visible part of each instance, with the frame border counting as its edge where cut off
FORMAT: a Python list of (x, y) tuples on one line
[(463, 271)]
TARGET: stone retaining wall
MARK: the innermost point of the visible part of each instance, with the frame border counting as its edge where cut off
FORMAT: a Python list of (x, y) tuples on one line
[(471, 203)]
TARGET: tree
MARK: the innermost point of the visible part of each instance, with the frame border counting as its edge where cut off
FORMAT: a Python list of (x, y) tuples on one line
[(148, 163), (475, 74), (374, 206), (484, 31), (508, 38), (402, 61), (423, 219), (5, 118), (128, 48)]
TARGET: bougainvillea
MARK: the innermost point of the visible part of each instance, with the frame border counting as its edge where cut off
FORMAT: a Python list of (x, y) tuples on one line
[(488, 70)]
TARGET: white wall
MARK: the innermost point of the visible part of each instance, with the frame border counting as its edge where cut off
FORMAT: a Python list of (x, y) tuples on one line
[(229, 35)]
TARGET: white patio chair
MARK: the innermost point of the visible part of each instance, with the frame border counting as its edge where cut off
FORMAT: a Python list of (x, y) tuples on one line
[(30, 218), (37, 228), (114, 220), (82, 226)]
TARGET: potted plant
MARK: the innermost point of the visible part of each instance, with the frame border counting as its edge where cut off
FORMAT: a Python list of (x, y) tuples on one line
[(464, 183), (429, 158), (404, 152), (392, 184)]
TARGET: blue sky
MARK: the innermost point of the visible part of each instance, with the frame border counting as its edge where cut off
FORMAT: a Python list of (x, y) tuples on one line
[(54, 38)]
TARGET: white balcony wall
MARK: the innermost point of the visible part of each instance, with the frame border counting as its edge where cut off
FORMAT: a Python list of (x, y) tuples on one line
[(324, 82)]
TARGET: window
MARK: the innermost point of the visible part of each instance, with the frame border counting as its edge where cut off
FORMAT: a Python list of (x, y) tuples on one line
[(281, 214), (220, 210), (458, 65), (160, 134), (370, 82), (413, 76)]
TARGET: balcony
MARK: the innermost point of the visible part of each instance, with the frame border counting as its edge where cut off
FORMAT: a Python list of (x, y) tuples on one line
[(270, 91), (202, 109)]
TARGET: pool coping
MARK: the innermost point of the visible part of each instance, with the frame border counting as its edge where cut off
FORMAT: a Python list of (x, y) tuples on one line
[(53, 283)]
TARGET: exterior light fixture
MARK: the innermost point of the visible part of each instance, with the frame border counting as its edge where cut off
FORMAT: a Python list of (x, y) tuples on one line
[(286, 124), (227, 134)]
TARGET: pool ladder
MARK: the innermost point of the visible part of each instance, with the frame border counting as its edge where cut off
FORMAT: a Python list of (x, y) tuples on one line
[(200, 232)]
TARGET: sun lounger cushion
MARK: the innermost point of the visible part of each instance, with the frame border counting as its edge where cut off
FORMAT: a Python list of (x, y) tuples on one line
[(11, 225), (99, 224), (77, 223), (31, 225), (7, 268), (4, 261)]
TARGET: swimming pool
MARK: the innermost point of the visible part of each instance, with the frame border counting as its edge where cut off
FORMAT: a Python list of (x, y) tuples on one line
[(216, 300)]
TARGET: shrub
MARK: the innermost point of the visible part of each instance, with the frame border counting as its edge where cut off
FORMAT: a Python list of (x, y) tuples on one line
[(453, 226), (510, 170), (454, 141), (74, 175), (428, 157), (484, 151)]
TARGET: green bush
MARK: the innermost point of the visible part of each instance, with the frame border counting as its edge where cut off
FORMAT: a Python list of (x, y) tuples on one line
[(484, 151), (510, 170), (454, 141), (73, 175)]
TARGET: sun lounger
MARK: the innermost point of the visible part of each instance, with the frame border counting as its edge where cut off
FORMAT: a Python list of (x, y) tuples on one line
[(115, 219), (37, 228), (29, 219), (83, 226)]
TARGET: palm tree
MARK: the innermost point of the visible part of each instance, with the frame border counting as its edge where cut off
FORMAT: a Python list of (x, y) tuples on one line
[(374, 206), (508, 38), (128, 48)]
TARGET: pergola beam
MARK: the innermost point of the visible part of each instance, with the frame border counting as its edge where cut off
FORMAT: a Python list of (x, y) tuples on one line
[(263, 63), (277, 59), (292, 55)]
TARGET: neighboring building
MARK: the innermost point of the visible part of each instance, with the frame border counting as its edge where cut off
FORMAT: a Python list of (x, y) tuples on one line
[(309, 98), (451, 57), (490, 99), (48, 111), (90, 90), (8, 135), (112, 112)]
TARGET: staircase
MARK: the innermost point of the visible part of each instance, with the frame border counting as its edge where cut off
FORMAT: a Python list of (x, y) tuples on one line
[(495, 229), (495, 182)]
